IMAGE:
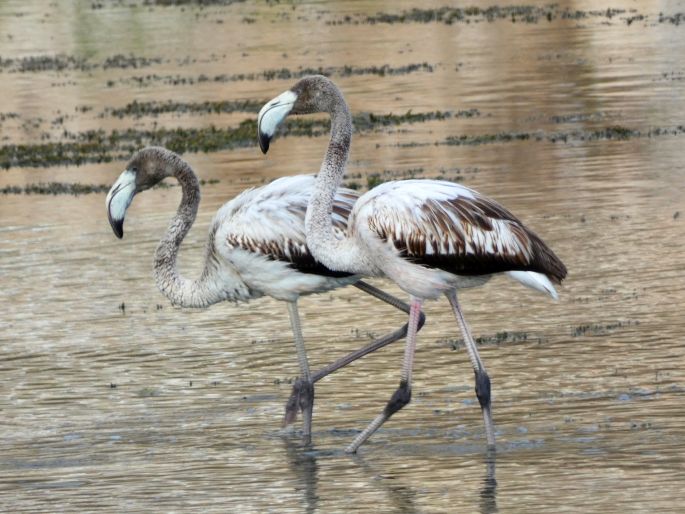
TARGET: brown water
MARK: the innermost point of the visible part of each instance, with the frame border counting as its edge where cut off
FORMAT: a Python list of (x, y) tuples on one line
[(111, 399)]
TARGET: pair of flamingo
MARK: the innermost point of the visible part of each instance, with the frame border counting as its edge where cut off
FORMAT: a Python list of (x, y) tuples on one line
[(302, 235)]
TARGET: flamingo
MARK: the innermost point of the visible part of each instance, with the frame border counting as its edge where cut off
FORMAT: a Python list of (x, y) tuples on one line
[(431, 237), (256, 247)]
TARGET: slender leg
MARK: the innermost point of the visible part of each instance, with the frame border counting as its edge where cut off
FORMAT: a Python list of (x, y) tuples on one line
[(382, 295), (292, 406), (482, 378), (402, 396), (306, 396)]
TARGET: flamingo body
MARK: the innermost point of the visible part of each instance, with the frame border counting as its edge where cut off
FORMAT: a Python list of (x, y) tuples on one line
[(260, 235), (430, 236)]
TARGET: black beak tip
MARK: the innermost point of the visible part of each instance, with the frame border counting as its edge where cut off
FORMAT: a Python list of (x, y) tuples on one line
[(118, 228), (264, 141)]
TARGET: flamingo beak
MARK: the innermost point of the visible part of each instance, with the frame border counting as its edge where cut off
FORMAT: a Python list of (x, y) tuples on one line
[(271, 116), (118, 199)]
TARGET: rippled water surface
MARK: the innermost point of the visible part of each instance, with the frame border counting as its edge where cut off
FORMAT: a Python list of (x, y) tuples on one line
[(112, 399)]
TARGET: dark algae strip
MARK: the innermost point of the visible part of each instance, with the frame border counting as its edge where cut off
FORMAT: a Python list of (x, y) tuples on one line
[(55, 188), (61, 62), (74, 189), (514, 14), (139, 109), (277, 74), (497, 339), (615, 132), (100, 146)]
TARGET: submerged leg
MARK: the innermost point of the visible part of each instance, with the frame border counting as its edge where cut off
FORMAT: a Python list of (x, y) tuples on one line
[(306, 396), (292, 406), (402, 396), (482, 378)]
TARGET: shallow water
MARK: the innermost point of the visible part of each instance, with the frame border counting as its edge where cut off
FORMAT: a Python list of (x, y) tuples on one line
[(111, 399)]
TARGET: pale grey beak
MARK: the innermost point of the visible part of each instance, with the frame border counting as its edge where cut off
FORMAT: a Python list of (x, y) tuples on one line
[(118, 199), (271, 116)]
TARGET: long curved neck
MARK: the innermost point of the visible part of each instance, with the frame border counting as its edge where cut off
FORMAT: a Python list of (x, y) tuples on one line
[(179, 290), (336, 254)]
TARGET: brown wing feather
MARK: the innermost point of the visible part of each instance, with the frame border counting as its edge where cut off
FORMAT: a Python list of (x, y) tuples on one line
[(293, 249), (466, 236)]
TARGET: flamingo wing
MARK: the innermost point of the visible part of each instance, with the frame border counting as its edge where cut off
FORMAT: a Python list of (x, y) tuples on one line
[(448, 226), (269, 221)]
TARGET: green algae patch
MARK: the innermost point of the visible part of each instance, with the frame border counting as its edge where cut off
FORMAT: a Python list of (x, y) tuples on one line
[(528, 14), (615, 133), (63, 62), (275, 74), (137, 109), (55, 188), (75, 189), (96, 146)]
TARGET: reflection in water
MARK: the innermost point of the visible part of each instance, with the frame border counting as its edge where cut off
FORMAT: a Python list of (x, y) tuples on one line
[(399, 496), (390, 475), (488, 494), (302, 464)]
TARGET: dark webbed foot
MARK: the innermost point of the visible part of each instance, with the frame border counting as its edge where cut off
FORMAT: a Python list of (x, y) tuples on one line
[(483, 388), (292, 406), (306, 399), (400, 398), (301, 399), (485, 399)]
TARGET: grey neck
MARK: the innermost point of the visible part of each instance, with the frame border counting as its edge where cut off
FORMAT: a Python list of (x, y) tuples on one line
[(181, 291), (336, 254)]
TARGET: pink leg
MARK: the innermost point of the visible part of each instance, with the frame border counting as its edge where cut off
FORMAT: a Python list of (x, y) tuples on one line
[(300, 386), (306, 398), (402, 396), (482, 377)]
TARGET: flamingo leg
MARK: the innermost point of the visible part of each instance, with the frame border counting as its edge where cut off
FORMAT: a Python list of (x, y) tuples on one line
[(482, 378), (382, 295), (292, 405), (306, 396), (402, 396)]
